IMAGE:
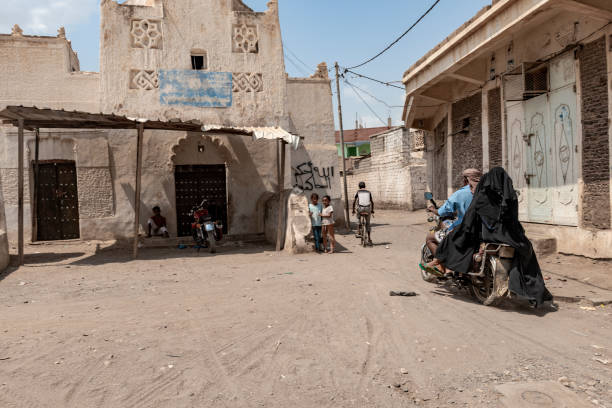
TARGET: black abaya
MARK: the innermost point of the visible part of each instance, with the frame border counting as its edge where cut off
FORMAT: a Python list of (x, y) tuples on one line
[(493, 217)]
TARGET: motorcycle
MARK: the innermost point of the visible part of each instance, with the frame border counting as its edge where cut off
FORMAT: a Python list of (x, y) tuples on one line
[(487, 281), (205, 232)]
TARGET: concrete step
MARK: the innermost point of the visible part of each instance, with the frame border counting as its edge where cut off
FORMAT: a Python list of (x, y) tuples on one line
[(542, 244), (160, 242)]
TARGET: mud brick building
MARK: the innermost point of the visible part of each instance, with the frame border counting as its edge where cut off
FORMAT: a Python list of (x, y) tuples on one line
[(219, 63), (525, 85), (394, 172)]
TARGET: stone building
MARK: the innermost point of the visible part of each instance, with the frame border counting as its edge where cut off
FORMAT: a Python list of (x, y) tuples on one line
[(219, 63), (394, 172), (524, 85)]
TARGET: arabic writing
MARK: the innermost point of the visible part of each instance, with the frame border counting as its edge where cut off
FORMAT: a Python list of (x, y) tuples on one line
[(308, 177)]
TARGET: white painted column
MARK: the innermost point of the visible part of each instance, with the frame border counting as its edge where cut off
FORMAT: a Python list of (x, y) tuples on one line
[(485, 129), (449, 151)]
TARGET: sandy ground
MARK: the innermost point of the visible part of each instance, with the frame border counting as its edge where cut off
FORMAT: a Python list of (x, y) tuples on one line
[(88, 327)]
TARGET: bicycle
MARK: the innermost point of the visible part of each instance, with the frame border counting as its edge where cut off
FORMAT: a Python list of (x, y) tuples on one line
[(362, 228)]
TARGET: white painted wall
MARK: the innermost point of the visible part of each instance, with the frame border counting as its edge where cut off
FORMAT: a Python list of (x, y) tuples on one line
[(311, 111)]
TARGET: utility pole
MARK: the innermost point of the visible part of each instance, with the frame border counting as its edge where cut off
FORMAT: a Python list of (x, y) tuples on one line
[(346, 203)]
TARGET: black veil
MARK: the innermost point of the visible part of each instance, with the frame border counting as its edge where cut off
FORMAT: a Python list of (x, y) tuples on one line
[(493, 217)]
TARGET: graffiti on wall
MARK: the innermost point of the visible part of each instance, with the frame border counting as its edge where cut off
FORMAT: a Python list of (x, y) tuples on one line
[(195, 88), (308, 177)]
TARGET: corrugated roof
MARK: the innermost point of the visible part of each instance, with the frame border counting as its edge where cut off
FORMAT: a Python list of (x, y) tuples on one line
[(34, 117)]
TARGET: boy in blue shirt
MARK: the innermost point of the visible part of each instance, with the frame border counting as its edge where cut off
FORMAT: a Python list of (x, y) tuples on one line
[(314, 209)]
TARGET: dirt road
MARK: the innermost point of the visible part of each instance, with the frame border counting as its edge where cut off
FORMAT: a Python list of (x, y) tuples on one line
[(250, 328)]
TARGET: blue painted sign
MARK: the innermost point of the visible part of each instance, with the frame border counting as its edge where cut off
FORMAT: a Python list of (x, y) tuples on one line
[(195, 88)]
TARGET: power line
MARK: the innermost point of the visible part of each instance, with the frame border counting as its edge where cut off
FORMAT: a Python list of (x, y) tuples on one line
[(374, 97), (375, 80), (296, 66), (399, 38), (365, 103), (298, 59)]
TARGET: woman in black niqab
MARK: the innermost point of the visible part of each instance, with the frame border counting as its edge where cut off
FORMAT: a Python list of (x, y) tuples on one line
[(493, 217)]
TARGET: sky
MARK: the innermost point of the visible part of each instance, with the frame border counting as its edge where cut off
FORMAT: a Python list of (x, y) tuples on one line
[(346, 31)]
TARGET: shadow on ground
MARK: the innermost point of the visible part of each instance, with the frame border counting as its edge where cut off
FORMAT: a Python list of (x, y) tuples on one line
[(508, 305)]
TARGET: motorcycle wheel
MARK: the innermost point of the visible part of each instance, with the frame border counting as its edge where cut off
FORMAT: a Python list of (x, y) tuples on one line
[(482, 288), (212, 243), (427, 257)]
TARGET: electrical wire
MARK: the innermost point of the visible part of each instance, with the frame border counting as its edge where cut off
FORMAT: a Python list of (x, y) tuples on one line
[(308, 67), (399, 38), (375, 80), (365, 103), (373, 97), (296, 66)]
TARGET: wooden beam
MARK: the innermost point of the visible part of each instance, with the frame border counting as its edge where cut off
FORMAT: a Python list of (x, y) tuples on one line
[(280, 163), (137, 188), (20, 180)]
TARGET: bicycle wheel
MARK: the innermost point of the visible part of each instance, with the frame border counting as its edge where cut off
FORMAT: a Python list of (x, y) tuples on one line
[(362, 231)]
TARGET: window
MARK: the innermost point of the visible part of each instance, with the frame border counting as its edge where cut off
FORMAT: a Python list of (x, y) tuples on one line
[(199, 60)]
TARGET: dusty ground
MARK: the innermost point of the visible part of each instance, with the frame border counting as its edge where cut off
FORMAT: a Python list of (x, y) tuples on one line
[(249, 328)]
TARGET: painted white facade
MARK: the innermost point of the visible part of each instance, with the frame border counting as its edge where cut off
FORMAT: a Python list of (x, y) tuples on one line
[(147, 72)]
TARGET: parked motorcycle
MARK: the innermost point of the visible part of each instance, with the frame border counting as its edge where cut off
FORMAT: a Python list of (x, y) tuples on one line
[(487, 282), (205, 232)]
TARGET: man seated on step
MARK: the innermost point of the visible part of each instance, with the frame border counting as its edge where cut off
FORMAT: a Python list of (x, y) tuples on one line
[(157, 224)]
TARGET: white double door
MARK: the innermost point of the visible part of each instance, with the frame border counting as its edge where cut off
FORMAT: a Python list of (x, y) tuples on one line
[(543, 148)]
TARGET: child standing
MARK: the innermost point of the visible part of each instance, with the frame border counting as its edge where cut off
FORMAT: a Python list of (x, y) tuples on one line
[(327, 221), (315, 208)]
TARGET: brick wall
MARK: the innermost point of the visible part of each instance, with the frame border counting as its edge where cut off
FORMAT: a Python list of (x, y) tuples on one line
[(467, 147), (495, 128), (389, 173), (596, 152), (440, 177)]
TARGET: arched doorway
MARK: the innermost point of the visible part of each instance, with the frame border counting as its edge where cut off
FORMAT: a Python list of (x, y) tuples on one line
[(200, 173)]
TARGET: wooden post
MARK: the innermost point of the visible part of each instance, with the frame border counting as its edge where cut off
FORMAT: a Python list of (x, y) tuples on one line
[(137, 188), (20, 178), (34, 205), (280, 162), (346, 199)]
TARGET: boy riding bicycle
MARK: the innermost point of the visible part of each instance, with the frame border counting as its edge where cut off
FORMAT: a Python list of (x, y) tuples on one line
[(365, 207)]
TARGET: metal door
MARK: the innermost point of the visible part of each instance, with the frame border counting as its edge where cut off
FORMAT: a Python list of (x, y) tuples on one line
[(57, 207), (539, 159), (517, 155), (193, 183), (565, 145)]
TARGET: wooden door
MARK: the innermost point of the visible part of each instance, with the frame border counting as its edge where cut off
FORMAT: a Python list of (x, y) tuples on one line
[(57, 208), (193, 183)]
